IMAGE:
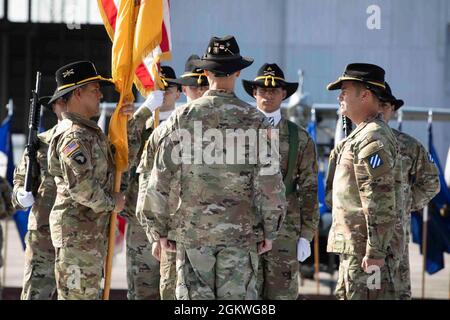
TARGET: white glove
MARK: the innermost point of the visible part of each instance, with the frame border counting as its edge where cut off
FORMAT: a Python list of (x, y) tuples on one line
[(154, 100), (25, 198), (303, 249)]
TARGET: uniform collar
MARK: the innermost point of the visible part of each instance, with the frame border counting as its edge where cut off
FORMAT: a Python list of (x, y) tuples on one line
[(78, 119), (276, 116), (220, 93), (363, 124)]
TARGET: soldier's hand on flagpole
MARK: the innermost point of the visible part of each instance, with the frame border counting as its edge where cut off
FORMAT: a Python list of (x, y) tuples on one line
[(156, 250), (119, 200), (127, 109), (25, 198), (168, 245), (154, 100), (264, 246), (368, 262)]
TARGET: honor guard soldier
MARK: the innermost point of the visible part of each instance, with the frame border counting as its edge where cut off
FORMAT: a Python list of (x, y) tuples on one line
[(39, 274), (215, 240), (420, 184), (81, 160), (278, 276), (364, 203)]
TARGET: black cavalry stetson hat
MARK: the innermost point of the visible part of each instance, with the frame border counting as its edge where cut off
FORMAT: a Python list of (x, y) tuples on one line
[(223, 57), (167, 75), (369, 74), (389, 97), (270, 75), (75, 75), (192, 76)]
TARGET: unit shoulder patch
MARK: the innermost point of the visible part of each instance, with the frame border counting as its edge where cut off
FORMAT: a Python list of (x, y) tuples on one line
[(79, 158), (375, 161)]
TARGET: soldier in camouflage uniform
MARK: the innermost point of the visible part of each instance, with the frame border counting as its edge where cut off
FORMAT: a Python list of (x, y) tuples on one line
[(215, 241), (142, 268), (194, 84), (420, 184), (278, 271), (39, 272), (6, 211), (366, 209), (81, 160)]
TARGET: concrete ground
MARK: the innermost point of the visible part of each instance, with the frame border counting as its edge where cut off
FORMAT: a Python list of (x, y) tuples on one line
[(437, 286)]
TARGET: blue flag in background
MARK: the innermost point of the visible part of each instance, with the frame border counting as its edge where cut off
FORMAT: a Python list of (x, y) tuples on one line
[(20, 217), (312, 130), (438, 232)]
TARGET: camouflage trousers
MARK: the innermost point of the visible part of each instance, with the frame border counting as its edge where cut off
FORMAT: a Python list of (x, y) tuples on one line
[(168, 272), (39, 273), (142, 267), (403, 278), (278, 271), (79, 270), (354, 284), (219, 272)]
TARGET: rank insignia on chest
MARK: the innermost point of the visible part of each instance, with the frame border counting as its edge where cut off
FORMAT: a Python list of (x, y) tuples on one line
[(79, 158), (375, 161)]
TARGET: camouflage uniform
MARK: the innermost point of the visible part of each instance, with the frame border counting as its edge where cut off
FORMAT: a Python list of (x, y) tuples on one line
[(420, 184), (366, 210), (39, 274), (216, 244), (80, 158), (168, 277), (278, 271), (142, 267), (6, 210)]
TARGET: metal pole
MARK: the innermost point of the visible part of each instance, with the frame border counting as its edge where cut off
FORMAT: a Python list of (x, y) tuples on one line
[(424, 247), (5, 253), (29, 11), (316, 261), (5, 10)]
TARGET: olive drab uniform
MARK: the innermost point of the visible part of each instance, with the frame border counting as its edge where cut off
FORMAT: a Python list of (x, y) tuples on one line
[(366, 210), (420, 184), (6, 211), (279, 268), (39, 274), (216, 242), (81, 161)]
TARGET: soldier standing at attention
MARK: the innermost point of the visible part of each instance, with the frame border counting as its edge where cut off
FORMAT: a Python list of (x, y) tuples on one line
[(193, 84), (81, 160), (420, 184), (39, 272), (143, 270), (365, 207), (278, 276), (215, 241)]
